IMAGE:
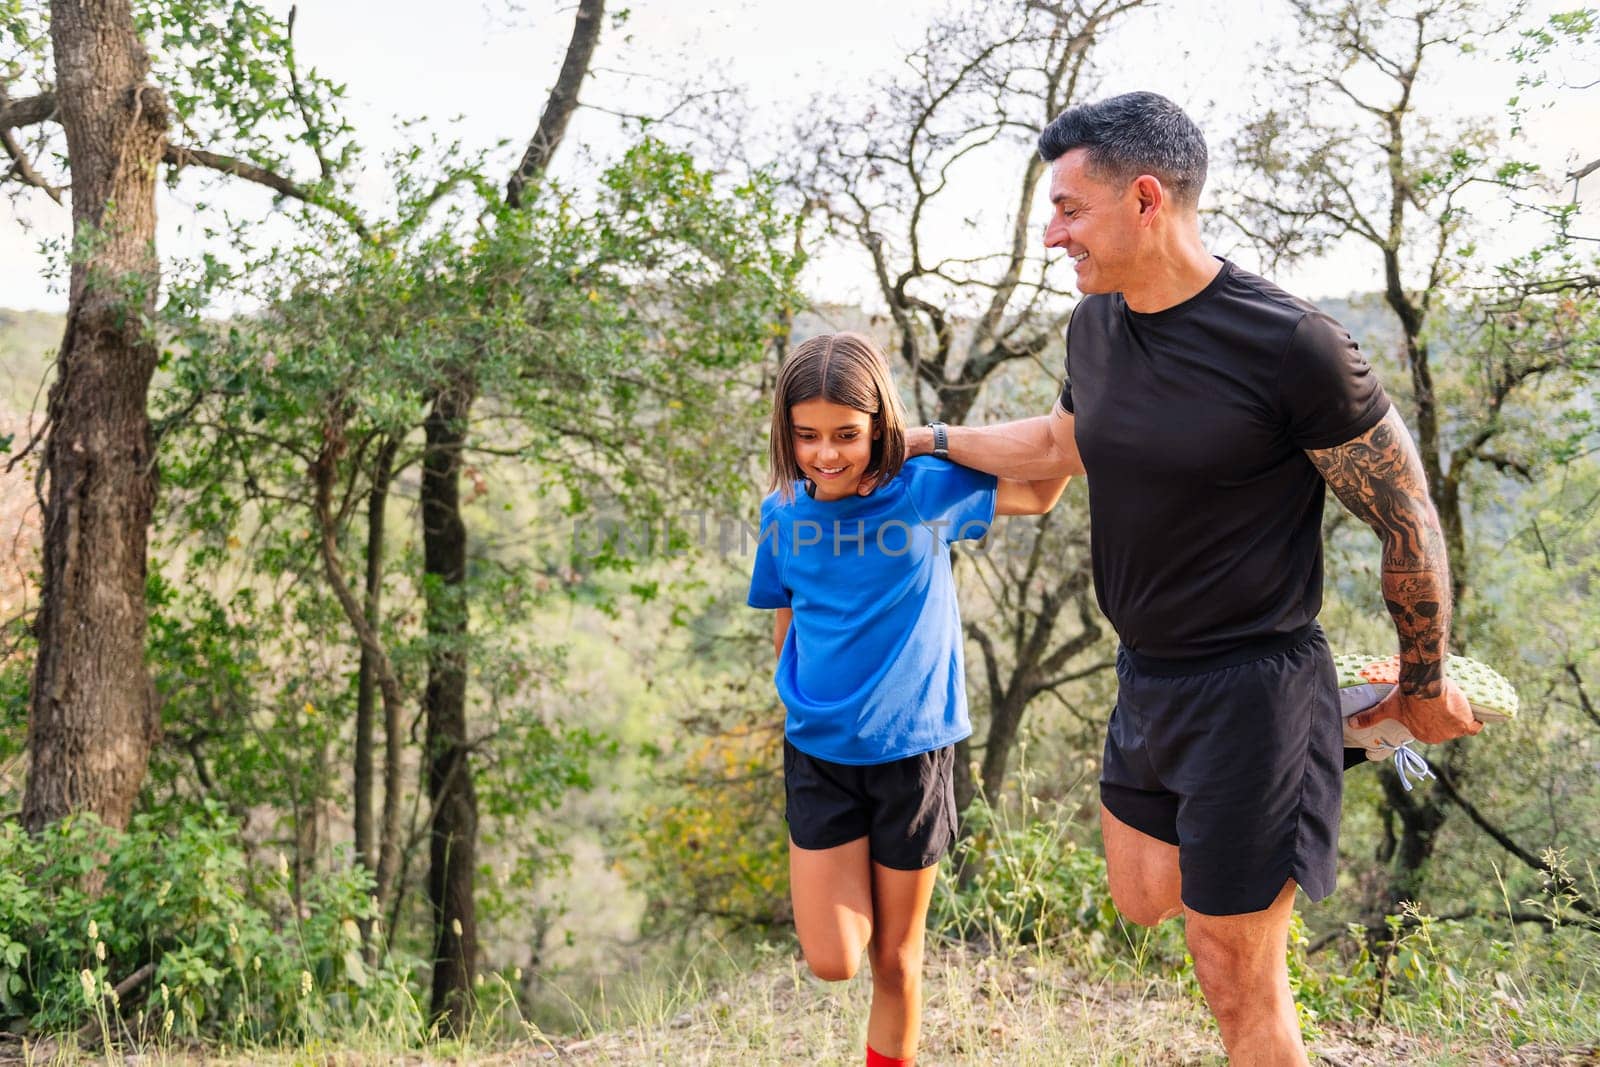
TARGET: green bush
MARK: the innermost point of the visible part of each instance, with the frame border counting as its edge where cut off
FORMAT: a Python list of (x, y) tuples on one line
[(201, 943), (1019, 881)]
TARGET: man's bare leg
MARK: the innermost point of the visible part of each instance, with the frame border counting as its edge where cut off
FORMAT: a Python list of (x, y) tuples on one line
[(1143, 872), (1241, 962)]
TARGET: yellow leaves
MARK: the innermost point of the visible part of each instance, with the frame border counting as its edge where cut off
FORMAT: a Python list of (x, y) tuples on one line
[(721, 842)]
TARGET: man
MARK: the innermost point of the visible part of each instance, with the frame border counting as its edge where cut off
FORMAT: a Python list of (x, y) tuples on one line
[(1208, 408)]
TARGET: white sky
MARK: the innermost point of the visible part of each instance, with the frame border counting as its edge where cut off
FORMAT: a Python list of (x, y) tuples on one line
[(481, 74)]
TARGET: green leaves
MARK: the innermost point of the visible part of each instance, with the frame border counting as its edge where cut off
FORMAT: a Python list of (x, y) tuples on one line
[(229, 947), (616, 342), (25, 27), (228, 69)]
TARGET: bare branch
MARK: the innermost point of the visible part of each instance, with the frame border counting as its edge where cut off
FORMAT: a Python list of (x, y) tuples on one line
[(1560, 880), (563, 100), (1584, 701), (21, 167), (29, 111), (180, 156), (313, 131)]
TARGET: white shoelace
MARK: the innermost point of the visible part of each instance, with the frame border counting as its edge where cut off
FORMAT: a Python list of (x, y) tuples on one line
[(1407, 762)]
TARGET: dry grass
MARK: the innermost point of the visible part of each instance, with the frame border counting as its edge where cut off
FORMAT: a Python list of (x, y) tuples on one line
[(978, 1010)]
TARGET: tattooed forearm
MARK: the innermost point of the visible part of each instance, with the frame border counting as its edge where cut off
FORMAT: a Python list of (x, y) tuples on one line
[(1379, 478)]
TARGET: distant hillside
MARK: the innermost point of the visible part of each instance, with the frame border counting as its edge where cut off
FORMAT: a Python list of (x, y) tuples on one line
[(28, 341), (1370, 321)]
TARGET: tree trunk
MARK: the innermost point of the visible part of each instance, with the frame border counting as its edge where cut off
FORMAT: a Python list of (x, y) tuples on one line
[(372, 850), (94, 718), (1005, 719), (454, 830)]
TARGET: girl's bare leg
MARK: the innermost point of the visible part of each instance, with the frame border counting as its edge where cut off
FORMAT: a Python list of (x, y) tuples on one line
[(832, 893), (900, 913)]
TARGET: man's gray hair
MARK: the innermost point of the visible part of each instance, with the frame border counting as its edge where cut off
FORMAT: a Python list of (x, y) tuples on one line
[(1130, 135)]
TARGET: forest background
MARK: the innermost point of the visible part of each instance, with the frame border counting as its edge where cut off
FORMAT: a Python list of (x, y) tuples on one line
[(377, 492)]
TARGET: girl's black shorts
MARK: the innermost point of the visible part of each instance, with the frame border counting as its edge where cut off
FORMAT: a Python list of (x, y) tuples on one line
[(906, 809), (1237, 760)]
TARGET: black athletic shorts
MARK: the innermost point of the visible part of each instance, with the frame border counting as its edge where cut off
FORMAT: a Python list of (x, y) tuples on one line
[(906, 809), (1239, 761)]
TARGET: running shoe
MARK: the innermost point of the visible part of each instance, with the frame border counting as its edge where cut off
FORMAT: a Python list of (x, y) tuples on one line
[(1366, 680)]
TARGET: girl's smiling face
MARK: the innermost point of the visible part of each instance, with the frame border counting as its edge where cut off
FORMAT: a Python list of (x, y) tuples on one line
[(833, 446)]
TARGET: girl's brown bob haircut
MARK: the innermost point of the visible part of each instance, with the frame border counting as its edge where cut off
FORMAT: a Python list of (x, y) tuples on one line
[(842, 368)]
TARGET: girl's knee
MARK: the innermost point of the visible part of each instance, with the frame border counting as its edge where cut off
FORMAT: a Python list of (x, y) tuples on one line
[(834, 965), (898, 967)]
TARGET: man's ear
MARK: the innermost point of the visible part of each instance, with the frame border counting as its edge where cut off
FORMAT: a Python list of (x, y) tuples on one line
[(1151, 195)]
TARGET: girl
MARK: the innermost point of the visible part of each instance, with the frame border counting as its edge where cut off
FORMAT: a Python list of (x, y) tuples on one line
[(854, 556)]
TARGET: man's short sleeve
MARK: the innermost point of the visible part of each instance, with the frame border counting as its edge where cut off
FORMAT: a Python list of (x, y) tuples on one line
[(766, 576), (959, 500), (1329, 391), (1066, 369)]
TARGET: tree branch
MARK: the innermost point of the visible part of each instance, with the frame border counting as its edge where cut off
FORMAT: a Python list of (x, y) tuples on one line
[(29, 111), (1560, 880), (42, 108), (20, 165), (180, 156), (313, 131), (1585, 170), (1583, 694), (562, 103)]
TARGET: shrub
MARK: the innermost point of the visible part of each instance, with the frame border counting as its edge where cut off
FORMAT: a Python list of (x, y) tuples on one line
[(716, 847), (200, 942), (1017, 881)]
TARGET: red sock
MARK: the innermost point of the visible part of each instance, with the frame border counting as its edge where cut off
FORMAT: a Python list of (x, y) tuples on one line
[(878, 1059)]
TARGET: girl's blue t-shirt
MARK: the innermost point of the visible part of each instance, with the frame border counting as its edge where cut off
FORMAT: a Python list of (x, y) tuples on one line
[(872, 669)]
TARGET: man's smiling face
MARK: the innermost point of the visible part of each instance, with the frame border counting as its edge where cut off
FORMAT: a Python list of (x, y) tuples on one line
[(1094, 221)]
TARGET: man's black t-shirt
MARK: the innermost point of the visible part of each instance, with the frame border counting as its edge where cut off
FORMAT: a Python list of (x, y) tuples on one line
[(1193, 423)]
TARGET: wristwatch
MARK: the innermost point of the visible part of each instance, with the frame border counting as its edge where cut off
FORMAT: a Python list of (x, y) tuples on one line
[(941, 440)]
